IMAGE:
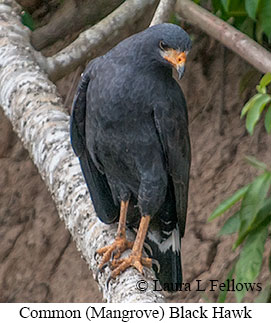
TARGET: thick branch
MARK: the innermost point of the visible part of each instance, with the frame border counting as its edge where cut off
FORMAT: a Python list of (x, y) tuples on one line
[(242, 45), (31, 103), (163, 12), (90, 43), (70, 17)]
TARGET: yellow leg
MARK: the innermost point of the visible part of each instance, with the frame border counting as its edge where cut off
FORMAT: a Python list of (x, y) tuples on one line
[(135, 259), (120, 244)]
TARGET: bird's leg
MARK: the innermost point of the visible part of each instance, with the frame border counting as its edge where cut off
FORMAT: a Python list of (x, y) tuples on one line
[(135, 259), (121, 243)]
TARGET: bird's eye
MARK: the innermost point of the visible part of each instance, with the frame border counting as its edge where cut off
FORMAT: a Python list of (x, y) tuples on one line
[(163, 46)]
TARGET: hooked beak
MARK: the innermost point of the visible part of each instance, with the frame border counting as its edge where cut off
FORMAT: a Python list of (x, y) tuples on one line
[(177, 59), (180, 69)]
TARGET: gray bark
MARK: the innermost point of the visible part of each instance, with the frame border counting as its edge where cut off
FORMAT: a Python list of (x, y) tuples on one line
[(113, 29), (72, 16), (163, 12), (93, 41), (35, 110)]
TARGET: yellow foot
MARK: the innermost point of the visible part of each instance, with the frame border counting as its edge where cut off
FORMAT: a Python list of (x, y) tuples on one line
[(115, 249), (134, 260)]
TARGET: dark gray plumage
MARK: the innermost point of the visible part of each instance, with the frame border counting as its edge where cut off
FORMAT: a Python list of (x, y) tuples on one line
[(129, 128)]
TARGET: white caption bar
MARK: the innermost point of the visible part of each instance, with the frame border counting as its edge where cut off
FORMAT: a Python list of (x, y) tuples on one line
[(102, 312)]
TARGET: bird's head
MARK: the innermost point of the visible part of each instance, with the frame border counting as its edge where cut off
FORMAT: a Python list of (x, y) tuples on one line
[(170, 44), (176, 57)]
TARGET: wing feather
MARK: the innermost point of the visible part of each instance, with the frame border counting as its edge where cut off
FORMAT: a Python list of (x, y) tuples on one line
[(170, 116), (96, 182)]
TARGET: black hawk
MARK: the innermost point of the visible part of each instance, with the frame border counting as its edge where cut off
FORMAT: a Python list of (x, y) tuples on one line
[(129, 128)]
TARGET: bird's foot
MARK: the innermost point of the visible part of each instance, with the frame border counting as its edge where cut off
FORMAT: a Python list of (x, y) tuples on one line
[(113, 251), (134, 260)]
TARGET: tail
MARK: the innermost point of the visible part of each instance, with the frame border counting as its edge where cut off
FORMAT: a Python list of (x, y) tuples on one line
[(168, 255)]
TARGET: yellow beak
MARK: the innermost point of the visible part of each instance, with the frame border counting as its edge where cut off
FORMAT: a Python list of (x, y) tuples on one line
[(176, 59)]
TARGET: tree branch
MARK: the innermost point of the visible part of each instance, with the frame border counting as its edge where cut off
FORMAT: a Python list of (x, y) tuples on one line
[(70, 17), (239, 43), (93, 41), (163, 12), (31, 103)]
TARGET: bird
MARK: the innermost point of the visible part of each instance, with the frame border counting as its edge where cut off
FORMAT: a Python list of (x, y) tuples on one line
[(129, 129)]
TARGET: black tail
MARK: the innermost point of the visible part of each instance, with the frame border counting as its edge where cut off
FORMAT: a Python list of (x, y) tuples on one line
[(168, 255)]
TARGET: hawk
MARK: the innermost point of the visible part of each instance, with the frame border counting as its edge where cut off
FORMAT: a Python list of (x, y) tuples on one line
[(129, 128)]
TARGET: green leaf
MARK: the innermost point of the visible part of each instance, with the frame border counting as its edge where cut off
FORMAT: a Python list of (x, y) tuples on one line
[(255, 111), (260, 89), (265, 16), (27, 20), (236, 8), (267, 120), (249, 263), (263, 217), (252, 8), (256, 163), (225, 4), (232, 225), (223, 294), (239, 16), (250, 104), (251, 204), (266, 79), (228, 203)]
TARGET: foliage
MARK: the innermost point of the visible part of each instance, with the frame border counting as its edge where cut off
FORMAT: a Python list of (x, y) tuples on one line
[(252, 220), (252, 223), (255, 106), (252, 17)]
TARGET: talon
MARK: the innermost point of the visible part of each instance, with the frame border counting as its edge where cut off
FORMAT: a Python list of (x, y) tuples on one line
[(148, 248), (134, 260), (115, 254), (120, 244), (113, 251), (156, 263), (100, 270), (108, 281)]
